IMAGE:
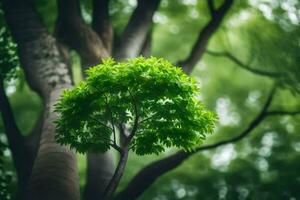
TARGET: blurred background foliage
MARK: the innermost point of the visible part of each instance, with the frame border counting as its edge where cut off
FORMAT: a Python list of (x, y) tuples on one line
[(265, 35)]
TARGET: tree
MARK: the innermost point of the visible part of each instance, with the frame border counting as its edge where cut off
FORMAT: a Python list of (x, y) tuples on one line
[(151, 103), (46, 63)]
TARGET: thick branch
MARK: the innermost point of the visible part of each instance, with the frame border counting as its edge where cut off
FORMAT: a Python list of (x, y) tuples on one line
[(101, 23), (245, 66), (136, 119), (76, 34), (46, 69), (14, 137), (136, 30), (207, 32), (148, 175)]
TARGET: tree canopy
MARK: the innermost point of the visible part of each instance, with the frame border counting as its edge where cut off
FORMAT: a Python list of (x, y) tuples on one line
[(155, 100)]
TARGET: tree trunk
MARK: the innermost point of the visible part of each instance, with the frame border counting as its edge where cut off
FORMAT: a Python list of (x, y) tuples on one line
[(114, 182), (54, 174)]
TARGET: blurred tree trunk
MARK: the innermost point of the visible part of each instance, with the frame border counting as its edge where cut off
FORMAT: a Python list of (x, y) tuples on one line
[(92, 44), (54, 174)]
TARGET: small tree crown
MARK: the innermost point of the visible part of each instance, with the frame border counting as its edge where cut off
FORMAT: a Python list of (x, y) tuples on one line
[(155, 101)]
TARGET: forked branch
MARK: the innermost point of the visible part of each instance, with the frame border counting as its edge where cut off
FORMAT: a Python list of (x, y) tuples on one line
[(72, 31), (135, 32), (204, 36)]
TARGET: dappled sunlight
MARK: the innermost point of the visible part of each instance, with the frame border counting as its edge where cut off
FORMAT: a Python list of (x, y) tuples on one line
[(223, 156), (225, 113), (253, 97)]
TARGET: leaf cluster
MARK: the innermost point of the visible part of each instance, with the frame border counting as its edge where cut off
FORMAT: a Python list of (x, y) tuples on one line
[(9, 61), (156, 102)]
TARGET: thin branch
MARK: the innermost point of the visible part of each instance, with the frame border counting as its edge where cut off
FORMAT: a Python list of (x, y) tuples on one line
[(148, 118), (245, 66), (148, 175), (136, 120), (211, 7), (204, 36), (98, 121), (282, 112), (135, 32), (116, 147), (101, 22), (111, 118)]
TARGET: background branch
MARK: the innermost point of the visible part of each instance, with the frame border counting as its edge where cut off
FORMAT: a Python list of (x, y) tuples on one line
[(148, 175), (211, 7), (245, 66), (282, 112), (147, 46), (15, 140), (72, 31), (101, 23), (203, 38), (135, 32)]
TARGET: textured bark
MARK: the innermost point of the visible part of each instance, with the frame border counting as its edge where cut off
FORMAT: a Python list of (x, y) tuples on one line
[(54, 174), (136, 30), (206, 33)]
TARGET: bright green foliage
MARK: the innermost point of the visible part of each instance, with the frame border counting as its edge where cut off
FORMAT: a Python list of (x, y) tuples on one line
[(9, 60), (151, 94)]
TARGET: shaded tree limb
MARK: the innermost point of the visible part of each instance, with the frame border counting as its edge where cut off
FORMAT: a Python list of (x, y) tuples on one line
[(16, 142), (114, 182), (211, 7), (76, 34), (148, 175), (204, 36), (245, 66), (101, 23), (54, 174), (147, 46), (135, 32), (282, 112)]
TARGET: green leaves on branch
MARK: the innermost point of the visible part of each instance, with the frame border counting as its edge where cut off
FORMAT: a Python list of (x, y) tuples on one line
[(155, 101), (9, 61)]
